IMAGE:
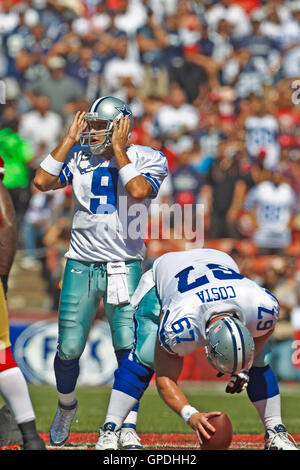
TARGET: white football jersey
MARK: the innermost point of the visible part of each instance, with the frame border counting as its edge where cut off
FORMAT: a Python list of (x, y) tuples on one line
[(196, 285), (274, 207), (262, 134), (108, 224)]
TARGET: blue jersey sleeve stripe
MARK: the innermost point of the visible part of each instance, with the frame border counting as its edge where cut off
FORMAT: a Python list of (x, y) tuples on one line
[(153, 181), (162, 333), (62, 178), (69, 174)]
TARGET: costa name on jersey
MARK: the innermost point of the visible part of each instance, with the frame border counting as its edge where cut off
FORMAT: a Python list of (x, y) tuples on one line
[(100, 209), (196, 285)]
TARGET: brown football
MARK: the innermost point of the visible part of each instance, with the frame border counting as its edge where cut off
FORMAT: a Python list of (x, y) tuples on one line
[(222, 438)]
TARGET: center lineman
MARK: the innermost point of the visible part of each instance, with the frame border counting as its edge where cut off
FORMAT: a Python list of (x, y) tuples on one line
[(104, 258), (191, 299)]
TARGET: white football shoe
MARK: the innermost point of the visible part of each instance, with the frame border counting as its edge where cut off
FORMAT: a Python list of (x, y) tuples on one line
[(108, 437), (278, 438), (128, 438)]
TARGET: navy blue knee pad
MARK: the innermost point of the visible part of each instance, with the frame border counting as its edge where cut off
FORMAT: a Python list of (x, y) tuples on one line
[(121, 355), (262, 383), (132, 378)]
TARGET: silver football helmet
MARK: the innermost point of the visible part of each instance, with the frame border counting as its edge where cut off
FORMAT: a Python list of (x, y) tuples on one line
[(102, 112), (230, 347)]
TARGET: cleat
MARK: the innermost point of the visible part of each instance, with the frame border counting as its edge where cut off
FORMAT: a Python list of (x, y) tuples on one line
[(10, 433), (108, 438), (278, 438), (36, 443), (61, 424), (128, 438)]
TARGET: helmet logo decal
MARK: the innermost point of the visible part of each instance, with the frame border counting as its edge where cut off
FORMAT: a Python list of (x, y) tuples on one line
[(213, 350), (123, 110)]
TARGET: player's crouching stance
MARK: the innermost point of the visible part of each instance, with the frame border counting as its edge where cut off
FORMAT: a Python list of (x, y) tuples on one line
[(108, 179), (204, 301)]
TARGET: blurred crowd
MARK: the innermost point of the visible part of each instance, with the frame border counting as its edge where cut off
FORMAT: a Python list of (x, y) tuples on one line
[(212, 84)]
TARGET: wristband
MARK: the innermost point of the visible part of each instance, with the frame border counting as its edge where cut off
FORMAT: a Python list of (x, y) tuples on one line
[(127, 173), (186, 412), (51, 165)]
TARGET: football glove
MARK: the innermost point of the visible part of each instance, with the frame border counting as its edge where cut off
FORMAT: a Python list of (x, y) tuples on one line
[(238, 382)]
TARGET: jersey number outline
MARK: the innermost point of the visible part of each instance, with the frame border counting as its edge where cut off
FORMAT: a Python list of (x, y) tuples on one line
[(264, 324), (178, 327), (219, 272)]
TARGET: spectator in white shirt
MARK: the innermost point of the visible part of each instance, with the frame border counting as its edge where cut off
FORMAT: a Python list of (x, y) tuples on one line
[(121, 68), (233, 14), (273, 205), (42, 128), (9, 18), (177, 116), (132, 16)]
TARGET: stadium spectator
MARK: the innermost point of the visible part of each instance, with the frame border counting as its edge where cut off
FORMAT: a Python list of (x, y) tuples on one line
[(100, 19), (262, 132), (8, 17), (192, 76), (9, 114), (121, 67), (222, 42), (273, 204), (37, 220), (233, 14), (86, 69), (152, 41), (176, 117), (41, 128), (290, 167), (185, 180), (131, 15), (16, 154), (29, 61), (61, 89), (223, 191)]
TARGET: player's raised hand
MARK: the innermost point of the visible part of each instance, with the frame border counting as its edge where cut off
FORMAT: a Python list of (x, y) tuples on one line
[(77, 126), (199, 422), (120, 132)]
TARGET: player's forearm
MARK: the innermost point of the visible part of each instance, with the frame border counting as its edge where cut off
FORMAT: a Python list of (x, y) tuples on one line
[(171, 394), (45, 181)]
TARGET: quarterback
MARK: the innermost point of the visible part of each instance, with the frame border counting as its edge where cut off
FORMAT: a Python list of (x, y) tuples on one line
[(104, 257), (192, 299)]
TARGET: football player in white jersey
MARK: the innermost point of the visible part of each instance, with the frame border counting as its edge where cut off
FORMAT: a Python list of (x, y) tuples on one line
[(111, 182), (187, 300)]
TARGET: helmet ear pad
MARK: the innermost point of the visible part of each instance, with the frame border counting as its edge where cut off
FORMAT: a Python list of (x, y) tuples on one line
[(230, 346)]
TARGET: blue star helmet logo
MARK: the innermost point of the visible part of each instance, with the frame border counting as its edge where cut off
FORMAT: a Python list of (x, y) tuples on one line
[(213, 350), (123, 110)]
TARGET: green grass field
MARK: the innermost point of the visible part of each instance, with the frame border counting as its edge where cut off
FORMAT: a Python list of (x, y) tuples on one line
[(156, 417)]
